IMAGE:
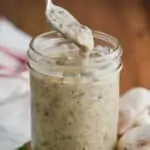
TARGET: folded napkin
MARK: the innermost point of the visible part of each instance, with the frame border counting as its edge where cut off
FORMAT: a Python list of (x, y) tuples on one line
[(14, 87)]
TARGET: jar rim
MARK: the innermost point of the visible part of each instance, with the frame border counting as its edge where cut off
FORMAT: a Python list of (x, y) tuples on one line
[(114, 55), (97, 34)]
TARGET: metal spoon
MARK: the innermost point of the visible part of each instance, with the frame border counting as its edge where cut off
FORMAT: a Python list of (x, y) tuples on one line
[(63, 22)]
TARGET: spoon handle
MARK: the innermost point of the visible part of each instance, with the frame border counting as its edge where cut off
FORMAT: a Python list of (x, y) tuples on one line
[(49, 5)]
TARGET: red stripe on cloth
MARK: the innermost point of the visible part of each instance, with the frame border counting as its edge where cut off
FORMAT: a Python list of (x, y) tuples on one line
[(12, 71)]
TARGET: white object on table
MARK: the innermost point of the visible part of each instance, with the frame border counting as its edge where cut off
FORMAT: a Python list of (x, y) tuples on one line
[(14, 88), (134, 109)]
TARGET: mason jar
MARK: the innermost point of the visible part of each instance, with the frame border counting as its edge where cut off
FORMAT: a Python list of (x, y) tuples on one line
[(74, 104)]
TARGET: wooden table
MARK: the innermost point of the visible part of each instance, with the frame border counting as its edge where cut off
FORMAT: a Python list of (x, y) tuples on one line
[(128, 20)]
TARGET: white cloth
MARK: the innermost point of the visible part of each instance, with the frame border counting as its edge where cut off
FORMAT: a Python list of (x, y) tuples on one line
[(14, 87)]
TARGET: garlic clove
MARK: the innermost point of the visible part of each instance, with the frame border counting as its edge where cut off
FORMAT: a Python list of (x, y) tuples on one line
[(134, 109), (136, 139)]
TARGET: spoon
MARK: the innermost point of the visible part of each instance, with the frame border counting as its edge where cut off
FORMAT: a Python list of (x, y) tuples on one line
[(64, 23)]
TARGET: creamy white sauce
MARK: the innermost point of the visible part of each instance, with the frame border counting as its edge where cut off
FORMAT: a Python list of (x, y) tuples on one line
[(62, 21)]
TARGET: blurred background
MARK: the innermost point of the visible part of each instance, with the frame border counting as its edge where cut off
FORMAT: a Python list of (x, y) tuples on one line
[(128, 20)]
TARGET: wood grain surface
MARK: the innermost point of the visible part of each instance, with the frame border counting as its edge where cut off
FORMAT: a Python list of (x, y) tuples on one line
[(128, 20)]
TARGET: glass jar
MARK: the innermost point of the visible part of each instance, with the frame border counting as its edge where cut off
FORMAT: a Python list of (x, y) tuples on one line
[(74, 104)]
